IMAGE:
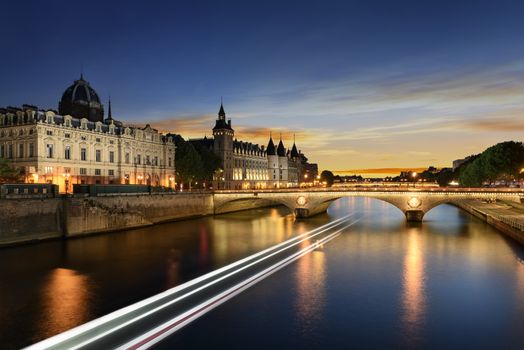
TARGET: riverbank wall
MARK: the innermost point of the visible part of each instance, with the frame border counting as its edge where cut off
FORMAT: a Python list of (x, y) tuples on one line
[(26, 220), (505, 218)]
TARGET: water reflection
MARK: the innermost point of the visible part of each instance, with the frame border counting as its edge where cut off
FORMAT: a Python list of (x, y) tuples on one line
[(413, 294), (310, 285), (65, 300)]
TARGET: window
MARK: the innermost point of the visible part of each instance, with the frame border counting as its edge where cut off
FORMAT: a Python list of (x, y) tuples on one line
[(98, 155), (111, 142), (2, 151), (111, 172), (21, 150), (83, 171), (67, 152), (49, 132), (83, 154), (155, 161), (83, 138), (31, 150), (48, 169), (148, 162), (97, 139), (169, 161), (138, 159), (98, 172), (67, 135), (127, 158), (111, 157), (10, 151), (49, 151)]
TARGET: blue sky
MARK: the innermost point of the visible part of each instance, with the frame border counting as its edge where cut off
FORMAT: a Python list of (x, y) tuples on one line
[(363, 84)]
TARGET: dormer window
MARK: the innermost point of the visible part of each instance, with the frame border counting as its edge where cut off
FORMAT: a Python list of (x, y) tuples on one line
[(98, 127), (83, 123), (67, 121)]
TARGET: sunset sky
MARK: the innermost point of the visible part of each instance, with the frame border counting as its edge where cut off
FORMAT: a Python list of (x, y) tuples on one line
[(363, 84)]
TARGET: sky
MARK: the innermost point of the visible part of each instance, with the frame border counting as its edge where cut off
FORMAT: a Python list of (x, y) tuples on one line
[(364, 85)]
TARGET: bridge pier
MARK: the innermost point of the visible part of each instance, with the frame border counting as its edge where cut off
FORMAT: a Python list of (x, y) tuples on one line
[(414, 215), (301, 213)]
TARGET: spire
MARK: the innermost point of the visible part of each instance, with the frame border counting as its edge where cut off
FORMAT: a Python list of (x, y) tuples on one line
[(109, 115), (294, 151), (281, 150), (270, 146), (221, 112)]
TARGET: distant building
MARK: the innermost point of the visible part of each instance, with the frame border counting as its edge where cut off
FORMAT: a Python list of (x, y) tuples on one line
[(250, 166), (79, 146), (458, 162)]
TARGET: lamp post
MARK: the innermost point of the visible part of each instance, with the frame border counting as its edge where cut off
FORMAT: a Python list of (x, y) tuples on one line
[(66, 180), (139, 178)]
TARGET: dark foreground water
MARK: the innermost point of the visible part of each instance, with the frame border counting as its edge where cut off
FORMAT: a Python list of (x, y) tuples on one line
[(451, 283)]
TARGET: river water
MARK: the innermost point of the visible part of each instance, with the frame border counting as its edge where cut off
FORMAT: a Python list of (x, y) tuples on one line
[(452, 282)]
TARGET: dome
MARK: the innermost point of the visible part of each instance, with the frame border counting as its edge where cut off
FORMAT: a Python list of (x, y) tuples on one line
[(80, 100)]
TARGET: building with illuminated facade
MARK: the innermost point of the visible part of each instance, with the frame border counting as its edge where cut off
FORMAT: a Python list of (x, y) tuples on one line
[(78, 146), (246, 165)]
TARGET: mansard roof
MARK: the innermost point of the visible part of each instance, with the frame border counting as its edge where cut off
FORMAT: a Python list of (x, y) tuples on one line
[(248, 148)]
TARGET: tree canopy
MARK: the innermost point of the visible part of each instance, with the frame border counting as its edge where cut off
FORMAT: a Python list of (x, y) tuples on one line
[(327, 177), (503, 161), (194, 162), (8, 173)]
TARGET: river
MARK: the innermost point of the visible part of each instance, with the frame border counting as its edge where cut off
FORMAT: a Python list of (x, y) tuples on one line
[(451, 282)]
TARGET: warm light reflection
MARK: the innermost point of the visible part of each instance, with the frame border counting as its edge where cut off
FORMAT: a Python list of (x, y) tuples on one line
[(520, 284), (230, 237), (413, 296), (310, 285), (65, 301)]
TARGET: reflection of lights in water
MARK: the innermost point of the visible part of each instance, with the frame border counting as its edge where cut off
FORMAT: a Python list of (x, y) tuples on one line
[(310, 284), (413, 296), (520, 284), (173, 266), (65, 301), (203, 250)]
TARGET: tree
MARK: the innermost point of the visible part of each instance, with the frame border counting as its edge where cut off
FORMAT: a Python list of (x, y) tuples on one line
[(210, 162), (187, 160), (327, 177), (503, 161), (8, 173), (444, 177)]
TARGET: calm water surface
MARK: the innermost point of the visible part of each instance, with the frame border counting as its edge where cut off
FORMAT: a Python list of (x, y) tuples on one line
[(452, 282)]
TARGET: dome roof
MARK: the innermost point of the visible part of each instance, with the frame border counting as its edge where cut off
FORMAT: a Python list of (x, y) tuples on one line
[(80, 91), (80, 100)]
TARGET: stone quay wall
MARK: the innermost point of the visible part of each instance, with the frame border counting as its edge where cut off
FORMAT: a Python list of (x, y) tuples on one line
[(25, 220)]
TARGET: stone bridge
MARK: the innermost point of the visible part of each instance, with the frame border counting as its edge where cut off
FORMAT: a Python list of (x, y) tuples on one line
[(413, 202)]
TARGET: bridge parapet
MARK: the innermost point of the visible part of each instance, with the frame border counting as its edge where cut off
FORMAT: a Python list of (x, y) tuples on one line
[(413, 203)]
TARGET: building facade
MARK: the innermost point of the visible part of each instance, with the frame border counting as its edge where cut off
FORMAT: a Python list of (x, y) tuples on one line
[(80, 147), (245, 165)]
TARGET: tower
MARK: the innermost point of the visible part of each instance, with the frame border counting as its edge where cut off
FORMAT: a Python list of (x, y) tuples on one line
[(272, 162), (282, 164), (223, 135)]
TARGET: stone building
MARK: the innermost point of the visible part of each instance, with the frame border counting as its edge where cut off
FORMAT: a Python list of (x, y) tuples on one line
[(246, 165), (79, 146)]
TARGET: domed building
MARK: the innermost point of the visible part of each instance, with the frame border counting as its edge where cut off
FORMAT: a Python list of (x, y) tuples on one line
[(80, 100), (78, 146)]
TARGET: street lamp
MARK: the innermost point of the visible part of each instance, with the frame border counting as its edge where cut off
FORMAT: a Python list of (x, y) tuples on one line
[(414, 175), (139, 178), (66, 180)]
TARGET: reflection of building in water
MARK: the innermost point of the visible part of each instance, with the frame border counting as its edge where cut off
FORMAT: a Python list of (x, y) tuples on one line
[(230, 237), (65, 301), (413, 296), (311, 288)]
